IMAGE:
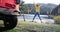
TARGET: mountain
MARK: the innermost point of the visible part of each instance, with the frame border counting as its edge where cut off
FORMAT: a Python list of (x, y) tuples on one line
[(45, 9)]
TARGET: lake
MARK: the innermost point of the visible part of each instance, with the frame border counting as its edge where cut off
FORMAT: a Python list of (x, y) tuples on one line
[(28, 17)]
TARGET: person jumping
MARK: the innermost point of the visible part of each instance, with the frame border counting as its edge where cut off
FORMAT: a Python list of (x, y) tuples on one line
[(37, 7)]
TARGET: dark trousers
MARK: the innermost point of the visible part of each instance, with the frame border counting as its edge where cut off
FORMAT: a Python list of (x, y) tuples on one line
[(37, 13)]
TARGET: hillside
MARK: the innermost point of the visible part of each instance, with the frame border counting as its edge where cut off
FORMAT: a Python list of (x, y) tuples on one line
[(46, 8)]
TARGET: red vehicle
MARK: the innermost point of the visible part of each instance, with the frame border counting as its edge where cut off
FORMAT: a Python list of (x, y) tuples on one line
[(9, 10)]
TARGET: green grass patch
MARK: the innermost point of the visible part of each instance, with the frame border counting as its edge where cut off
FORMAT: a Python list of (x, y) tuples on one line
[(35, 27)]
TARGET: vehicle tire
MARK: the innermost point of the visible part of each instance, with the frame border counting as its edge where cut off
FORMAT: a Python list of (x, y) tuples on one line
[(9, 22)]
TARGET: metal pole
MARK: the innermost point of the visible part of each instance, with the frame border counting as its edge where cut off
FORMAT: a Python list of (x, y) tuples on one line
[(23, 17)]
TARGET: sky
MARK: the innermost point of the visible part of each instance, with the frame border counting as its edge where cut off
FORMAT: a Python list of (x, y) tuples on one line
[(42, 1)]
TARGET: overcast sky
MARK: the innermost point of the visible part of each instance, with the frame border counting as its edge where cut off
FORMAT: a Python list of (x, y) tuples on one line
[(42, 1)]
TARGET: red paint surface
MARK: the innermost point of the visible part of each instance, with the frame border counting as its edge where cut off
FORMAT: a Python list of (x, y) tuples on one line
[(11, 4)]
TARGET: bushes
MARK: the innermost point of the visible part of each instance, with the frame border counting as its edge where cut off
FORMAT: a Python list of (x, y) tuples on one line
[(57, 19)]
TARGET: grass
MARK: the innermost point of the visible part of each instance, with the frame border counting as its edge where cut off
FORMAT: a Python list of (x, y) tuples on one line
[(35, 27)]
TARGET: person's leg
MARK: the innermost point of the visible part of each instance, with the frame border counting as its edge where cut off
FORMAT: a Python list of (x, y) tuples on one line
[(39, 17), (34, 17)]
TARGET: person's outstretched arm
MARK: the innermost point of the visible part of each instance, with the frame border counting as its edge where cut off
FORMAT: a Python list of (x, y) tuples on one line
[(41, 5), (34, 4)]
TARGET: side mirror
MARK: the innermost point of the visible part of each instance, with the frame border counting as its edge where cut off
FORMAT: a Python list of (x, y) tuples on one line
[(17, 1)]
